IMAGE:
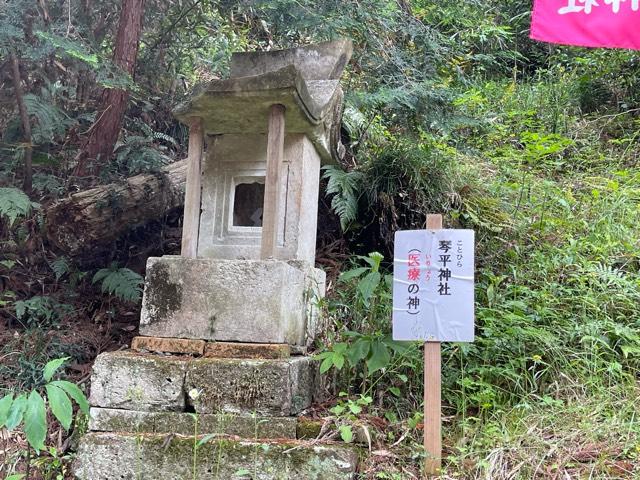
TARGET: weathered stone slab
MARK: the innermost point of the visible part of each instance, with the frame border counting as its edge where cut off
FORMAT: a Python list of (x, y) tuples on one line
[(249, 427), (136, 381), (247, 350), (266, 387), (108, 456), (115, 420), (186, 346), (228, 300), (320, 61)]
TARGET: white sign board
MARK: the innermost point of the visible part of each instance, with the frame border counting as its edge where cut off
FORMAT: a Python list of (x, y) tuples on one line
[(433, 285)]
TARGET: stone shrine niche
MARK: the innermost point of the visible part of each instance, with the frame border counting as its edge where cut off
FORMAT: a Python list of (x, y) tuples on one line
[(233, 184)]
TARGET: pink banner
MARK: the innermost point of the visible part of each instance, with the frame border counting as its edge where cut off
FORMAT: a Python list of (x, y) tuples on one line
[(587, 23)]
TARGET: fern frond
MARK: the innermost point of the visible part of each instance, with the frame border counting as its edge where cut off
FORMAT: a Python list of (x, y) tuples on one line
[(123, 283), (165, 137), (345, 188), (60, 267), (14, 203), (50, 121)]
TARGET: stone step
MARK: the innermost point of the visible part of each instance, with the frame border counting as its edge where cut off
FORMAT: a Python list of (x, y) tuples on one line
[(250, 427), (154, 383), (118, 456)]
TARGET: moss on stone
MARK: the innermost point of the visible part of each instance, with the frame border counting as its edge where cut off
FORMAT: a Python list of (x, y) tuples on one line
[(308, 428), (105, 456), (164, 296)]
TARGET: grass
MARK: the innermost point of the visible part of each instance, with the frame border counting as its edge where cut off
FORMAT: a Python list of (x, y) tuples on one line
[(549, 388), (580, 436)]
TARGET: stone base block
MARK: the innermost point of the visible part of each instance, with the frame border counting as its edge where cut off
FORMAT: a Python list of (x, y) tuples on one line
[(249, 427), (108, 456), (155, 383), (230, 300), (188, 346), (247, 350), (137, 381), (185, 346)]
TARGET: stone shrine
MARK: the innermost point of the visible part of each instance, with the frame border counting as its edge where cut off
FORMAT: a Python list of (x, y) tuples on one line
[(214, 387)]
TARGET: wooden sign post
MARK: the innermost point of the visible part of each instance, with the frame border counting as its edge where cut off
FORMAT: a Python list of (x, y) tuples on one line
[(432, 391), (433, 301)]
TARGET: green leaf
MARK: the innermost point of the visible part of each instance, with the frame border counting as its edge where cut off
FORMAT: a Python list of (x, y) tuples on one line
[(72, 48), (379, 357), (368, 285), (16, 412), (15, 476), (74, 392), (205, 439), (629, 350), (395, 391), (5, 406), (35, 421), (60, 405), (358, 351), (323, 355), (349, 274), (338, 360), (337, 410), (355, 408), (377, 258), (340, 347), (21, 309), (396, 346), (51, 367), (346, 433), (326, 364)]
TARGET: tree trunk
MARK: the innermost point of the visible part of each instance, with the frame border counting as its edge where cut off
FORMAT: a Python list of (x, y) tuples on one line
[(91, 218), (26, 124), (104, 132)]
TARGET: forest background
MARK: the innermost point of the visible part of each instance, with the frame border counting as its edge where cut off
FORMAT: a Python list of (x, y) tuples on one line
[(450, 109)]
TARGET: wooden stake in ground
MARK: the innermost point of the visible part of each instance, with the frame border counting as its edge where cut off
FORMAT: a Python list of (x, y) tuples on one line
[(271, 209), (432, 388), (193, 188)]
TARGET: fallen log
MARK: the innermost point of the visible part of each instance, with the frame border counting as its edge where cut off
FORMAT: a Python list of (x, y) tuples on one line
[(100, 215)]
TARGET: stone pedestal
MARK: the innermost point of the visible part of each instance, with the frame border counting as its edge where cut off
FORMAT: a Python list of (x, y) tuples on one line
[(266, 301)]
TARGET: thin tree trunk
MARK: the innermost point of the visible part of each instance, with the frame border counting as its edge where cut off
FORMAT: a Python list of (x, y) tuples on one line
[(103, 134), (26, 124)]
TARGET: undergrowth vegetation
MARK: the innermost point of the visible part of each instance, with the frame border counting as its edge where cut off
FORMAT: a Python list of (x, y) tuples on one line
[(549, 386), (449, 108)]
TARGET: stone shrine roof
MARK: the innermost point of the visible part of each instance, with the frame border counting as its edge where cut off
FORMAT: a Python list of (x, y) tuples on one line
[(305, 80)]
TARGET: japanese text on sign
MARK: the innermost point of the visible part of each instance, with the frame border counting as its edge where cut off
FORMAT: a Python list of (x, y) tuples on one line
[(587, 23), (586, 6), (433, 285)]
